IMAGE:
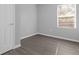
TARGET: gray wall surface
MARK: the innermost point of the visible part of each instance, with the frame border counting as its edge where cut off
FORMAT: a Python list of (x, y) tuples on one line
[(17, 26), (26, 18), (47, 22)]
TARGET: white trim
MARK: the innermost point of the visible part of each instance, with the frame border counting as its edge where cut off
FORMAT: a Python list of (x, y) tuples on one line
[(63, 38), (3, 51), (28, 36), (17, 46)]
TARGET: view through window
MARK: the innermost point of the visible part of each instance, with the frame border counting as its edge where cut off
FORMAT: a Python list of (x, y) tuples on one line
[(66, 16)]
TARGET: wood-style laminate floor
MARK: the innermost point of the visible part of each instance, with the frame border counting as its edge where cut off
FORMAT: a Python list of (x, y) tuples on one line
[(43, 45)]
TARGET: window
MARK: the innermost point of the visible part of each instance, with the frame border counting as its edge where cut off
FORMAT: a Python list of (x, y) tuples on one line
[(66, 16)]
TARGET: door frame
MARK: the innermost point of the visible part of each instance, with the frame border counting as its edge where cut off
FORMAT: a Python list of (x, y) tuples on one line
[(12, 17)]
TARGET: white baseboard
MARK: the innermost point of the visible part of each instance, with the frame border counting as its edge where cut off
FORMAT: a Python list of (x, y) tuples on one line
[(51, 36), (28, 36), (59, 37), (3, 51), (17, 46)]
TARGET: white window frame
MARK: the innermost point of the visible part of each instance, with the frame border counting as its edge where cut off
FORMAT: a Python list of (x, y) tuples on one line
[(58, 18)]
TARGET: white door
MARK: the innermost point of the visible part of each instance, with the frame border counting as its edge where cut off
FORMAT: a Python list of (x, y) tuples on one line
[(7, 26)]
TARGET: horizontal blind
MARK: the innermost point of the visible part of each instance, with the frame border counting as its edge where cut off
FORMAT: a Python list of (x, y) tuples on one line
[(66, 16)]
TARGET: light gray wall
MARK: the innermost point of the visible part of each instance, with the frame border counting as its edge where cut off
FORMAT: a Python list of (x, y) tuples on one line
[(17, 25), (47, 22), (26, 18)]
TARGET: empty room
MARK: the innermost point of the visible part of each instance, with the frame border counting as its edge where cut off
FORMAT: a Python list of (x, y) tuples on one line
[(39, 29)]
